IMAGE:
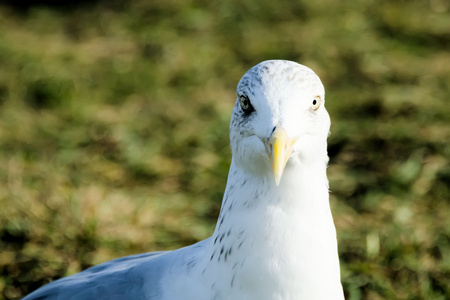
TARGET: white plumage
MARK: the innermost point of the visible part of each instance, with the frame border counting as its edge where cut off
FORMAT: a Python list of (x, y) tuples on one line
[(275, 237)]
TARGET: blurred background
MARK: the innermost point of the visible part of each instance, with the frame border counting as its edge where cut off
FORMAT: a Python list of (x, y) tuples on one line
[(114, 130)]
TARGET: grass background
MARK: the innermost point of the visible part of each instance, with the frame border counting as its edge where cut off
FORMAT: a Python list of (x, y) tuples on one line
[(114, 130)]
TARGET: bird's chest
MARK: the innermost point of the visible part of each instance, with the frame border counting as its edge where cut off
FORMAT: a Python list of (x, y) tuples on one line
[(281, 258), (253, 270)]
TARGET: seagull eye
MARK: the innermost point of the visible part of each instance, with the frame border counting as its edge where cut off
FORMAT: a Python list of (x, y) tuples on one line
[(246, 106), (316, 103)]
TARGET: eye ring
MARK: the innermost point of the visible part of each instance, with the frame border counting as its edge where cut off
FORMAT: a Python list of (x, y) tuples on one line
[(246, 105), (317, 101)]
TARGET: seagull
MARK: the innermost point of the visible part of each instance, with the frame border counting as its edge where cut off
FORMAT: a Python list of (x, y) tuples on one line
[(275, 237)]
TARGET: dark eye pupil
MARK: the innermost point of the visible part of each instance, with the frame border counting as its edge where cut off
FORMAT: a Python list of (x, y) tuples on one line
[(246, 105), (314, 102)]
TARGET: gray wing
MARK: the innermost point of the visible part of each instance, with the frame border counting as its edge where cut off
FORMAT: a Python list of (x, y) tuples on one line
[(131, 277)]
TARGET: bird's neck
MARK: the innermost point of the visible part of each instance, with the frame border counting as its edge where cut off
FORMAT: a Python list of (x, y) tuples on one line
[(277, 239), (249, 198)]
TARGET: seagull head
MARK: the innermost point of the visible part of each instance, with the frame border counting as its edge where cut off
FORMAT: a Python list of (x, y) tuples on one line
[(279, 121)]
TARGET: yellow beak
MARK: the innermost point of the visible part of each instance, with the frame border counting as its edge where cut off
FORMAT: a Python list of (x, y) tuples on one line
[(279, 148)]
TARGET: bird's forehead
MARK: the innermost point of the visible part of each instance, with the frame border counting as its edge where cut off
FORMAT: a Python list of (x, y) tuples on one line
[(279, 76)]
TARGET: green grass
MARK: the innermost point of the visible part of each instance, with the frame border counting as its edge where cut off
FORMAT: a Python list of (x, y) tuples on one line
[(114, 131)]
